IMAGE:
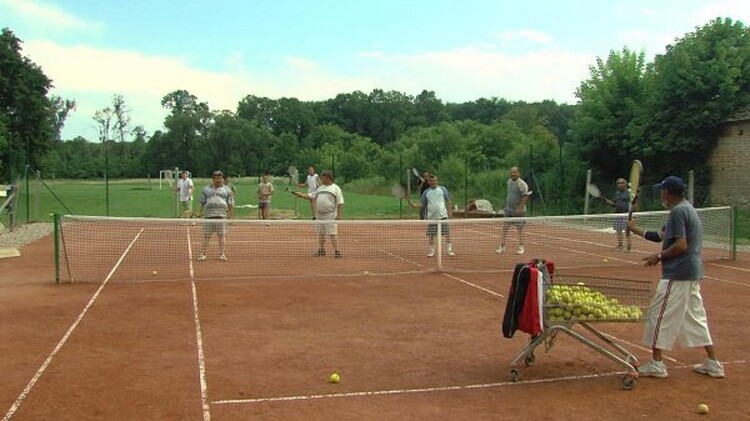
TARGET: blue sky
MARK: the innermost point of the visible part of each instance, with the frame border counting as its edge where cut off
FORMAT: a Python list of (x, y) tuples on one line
[(312, 50)]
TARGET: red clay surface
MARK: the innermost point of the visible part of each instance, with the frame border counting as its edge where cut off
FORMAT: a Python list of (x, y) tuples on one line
[(426, 346)]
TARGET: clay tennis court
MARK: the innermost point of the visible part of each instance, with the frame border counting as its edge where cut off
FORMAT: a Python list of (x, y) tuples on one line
[(412, 346)]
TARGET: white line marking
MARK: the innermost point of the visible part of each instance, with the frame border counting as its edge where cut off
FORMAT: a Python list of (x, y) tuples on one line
[(730, 267), (489, 291), (199, 337), (623, 341), (433, 389), (67, 335)]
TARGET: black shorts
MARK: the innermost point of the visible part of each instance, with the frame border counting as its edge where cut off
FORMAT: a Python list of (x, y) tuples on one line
[(433, 228)]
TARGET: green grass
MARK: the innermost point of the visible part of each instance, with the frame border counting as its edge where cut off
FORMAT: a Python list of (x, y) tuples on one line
[(133, 198)]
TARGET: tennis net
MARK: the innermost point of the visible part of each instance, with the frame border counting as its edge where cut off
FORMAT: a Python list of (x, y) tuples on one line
[(91, 249)]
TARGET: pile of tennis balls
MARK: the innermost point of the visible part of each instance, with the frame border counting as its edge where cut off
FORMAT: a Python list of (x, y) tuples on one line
[(579, 302)]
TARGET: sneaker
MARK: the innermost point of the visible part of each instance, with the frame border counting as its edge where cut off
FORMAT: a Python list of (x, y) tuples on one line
[(520, 250), (500, 249), (223, 257), (337, 254), (710, 367), (202, 257), (431, 252), (653, 368), (319, 253), (630, 247), (450, 250)]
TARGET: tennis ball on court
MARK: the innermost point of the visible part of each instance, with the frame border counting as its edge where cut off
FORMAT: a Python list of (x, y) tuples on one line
[(367, 272), (703, 408), (605, 260), (335, 378), (154, 273)]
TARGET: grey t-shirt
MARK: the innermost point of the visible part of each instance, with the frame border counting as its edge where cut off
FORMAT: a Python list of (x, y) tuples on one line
[(683, 222), (516, 190), (622, 200), (216, 201)]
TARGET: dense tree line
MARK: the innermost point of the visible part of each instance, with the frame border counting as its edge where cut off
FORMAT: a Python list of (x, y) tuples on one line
[(666, 112)]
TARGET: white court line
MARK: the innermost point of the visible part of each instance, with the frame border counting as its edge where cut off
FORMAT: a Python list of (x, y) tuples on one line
[(67, 335), (730, 267), (198, 337), (434, 389)]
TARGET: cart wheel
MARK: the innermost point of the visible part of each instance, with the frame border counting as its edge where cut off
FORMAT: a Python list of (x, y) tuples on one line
[(514, 375), (530, 360), (628, 382)]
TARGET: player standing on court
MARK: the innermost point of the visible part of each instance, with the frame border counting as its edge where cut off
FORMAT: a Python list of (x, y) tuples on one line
[(311, 182), (621, 202), (328, 204), (676, 312), (515, 206), (217, 204), (185, 187), (435, 204), (265, 191)]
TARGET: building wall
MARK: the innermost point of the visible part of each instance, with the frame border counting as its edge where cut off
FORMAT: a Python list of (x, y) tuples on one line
[(730, 166)]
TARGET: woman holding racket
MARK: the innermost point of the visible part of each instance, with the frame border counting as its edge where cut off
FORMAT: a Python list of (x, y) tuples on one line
[(621, 203), (328, 205)]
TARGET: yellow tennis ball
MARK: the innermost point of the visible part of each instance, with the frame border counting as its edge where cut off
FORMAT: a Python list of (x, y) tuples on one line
[(154, 273), (335, 378), (605, 260), (703, 408)]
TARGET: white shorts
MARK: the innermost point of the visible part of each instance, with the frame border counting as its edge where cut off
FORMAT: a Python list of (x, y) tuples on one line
[(676, 314), (326, 225)]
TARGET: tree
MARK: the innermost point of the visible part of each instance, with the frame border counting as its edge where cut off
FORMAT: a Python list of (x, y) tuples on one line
[(60, 109), (25, 117), (611, 101), (189, 121), (698, 82), (122, 118)]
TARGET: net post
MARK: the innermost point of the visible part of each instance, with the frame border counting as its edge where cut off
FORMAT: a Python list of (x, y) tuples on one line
[(56, 222), (691, 187), (733, 225), (586, 199), (439, 248)]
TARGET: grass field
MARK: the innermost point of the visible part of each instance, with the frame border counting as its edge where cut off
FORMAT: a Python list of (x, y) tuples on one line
[(141, 197), (131, 198)]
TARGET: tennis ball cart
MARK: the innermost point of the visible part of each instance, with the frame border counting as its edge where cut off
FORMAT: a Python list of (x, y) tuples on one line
[(545, 305)]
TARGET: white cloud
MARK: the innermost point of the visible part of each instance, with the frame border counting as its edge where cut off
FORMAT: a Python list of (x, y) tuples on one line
[(92, 76), (49, 16), (735, 9)]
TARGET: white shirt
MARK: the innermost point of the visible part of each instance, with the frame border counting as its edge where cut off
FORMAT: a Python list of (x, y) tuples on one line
[(312, 183), (184, 185), (327, 199)]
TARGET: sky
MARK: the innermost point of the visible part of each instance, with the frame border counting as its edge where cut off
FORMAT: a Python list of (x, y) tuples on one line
[(312, 50)]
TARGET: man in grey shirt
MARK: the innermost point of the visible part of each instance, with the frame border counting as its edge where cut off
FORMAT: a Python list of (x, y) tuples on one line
[(217, 200), (515, 206), (676, 312)]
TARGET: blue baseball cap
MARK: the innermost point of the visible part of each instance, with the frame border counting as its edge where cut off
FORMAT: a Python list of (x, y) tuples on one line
[(673, 185)]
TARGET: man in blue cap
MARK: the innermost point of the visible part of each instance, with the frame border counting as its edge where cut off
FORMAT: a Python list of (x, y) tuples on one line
[(676, 312)]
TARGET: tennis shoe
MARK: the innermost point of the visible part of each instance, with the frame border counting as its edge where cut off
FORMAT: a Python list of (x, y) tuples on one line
[(431, 252), (319, 253), (710, 367), (337, 254), (630, 247), (450, 250), (520, 250), (202, 257), (653, 368), (223, 257), (500, 249)]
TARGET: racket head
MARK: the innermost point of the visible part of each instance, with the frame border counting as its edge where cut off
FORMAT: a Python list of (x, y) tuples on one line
[(593, 191), (416, 173), (636, 171), (296, 175), (292, 170), (397, 190)]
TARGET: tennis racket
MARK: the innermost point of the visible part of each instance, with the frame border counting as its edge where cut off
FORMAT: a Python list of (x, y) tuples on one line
[(397, 190), (416, 173), (293, 173), (594, 191), (636, 172)]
